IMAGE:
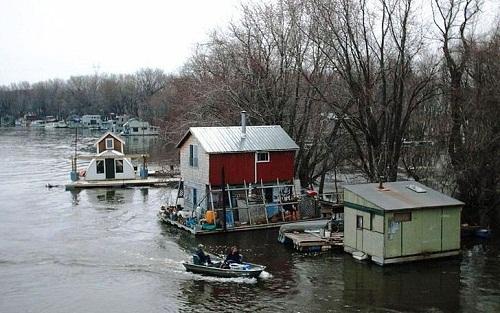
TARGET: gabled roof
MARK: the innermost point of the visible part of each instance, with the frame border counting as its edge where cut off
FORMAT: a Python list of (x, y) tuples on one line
[(399, 195), (106, 135), (229, 139)]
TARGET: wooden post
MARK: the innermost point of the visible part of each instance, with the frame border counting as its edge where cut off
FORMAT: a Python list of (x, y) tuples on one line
[(280, 204), (224, 225), (211, 198), (246, 201), (264, 200)]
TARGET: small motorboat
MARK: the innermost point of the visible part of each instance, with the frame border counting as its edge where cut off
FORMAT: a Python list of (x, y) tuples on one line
[(248, 270), (484, 233)]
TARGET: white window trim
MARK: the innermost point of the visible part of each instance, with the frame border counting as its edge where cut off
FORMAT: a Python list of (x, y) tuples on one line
[(123, 166), (112, 144), (103, 167), (265, 161), (194, 161)]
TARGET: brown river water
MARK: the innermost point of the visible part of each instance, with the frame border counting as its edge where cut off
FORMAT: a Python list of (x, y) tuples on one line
[(105, 251)]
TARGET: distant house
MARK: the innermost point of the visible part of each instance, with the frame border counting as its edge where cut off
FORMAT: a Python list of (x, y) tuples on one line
[(91, 121), (110, 161), (135, 127), (118, 122), (258, 156), (402, 221)]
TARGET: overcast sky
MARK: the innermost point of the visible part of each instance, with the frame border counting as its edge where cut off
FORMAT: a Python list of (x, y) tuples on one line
[(45, 39)]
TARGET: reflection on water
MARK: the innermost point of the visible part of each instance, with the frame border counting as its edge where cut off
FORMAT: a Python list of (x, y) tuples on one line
[(431, 285), (101, 250)]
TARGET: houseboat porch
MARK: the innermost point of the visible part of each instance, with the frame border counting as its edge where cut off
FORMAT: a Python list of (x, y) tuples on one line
[(199, 231), (248, 207)]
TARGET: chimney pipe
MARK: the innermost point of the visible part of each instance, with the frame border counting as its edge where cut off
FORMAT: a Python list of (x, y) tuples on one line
[(243, 124), (381, 185)]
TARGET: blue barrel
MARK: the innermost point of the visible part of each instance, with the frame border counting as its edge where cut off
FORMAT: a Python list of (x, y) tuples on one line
[(143, 172), (229, 219), (272, 210)]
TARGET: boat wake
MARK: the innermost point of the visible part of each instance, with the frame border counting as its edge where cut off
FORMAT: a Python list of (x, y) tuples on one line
[(265, 275), (238, 280)]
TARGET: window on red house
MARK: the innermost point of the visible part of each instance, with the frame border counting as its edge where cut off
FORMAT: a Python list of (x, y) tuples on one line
[(262, 156)]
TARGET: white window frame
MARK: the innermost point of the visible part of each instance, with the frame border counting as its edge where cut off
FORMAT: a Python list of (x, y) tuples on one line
[(97, 167), (268, 158), (193, 155), (112, 145), (116, 166)]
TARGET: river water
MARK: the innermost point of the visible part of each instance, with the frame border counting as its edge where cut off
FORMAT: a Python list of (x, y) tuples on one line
[(104, 251)]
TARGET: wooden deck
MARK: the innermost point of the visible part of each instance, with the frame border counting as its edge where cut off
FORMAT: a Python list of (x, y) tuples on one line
[(122, 183), (313, 242)]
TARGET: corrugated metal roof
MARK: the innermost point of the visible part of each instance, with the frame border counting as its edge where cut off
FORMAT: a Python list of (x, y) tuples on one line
[(397, 196), (228, 139)]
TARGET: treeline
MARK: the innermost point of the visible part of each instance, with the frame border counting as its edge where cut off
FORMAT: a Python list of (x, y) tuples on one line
[(138, 94), (369, 87)]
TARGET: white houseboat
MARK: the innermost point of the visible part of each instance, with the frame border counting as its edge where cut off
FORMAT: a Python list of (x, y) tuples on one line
[(91, 121), (111, 168), (110, 161), (135, 127)]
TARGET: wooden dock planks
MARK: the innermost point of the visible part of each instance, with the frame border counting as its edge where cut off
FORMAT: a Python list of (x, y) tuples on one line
[(309, 242)]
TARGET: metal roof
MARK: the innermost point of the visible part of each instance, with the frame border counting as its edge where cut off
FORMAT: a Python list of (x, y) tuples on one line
[(399, 195), (229, 139)]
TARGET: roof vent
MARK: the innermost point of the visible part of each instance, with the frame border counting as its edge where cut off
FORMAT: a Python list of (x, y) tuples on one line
[(416, 188)]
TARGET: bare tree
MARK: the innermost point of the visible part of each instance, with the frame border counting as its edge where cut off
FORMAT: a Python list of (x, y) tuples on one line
[(373, 50)]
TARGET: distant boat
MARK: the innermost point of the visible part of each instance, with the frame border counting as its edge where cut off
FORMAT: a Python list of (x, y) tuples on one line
[(38, 123), (483, 233), (135, 127), (475, 231), (56, 124)]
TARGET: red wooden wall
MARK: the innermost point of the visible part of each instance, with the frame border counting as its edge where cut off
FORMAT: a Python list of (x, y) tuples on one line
[(239, 167), (280, 166)]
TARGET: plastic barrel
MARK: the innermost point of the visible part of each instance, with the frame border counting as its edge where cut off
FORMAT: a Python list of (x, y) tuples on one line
[(229, 219), (210, 217)]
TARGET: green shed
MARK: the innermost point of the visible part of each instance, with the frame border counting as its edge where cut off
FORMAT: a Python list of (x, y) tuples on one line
[(400, 222)]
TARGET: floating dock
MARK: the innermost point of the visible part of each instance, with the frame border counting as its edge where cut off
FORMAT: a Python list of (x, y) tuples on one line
[(313, 241), (122, 183)]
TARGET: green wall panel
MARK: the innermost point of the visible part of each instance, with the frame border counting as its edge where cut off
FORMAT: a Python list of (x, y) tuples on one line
[(349, 227), (451, 229), (411, 234), (392, 237), (431, 230)]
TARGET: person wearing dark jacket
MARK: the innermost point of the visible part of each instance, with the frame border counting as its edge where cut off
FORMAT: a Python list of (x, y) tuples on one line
[(234, 256), (204, 258)]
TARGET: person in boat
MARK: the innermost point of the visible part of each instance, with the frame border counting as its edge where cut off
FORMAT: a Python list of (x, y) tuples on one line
[(233, 256), (204, 258)]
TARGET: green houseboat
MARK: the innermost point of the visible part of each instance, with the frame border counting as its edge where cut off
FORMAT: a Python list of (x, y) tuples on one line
[(399, 222)]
